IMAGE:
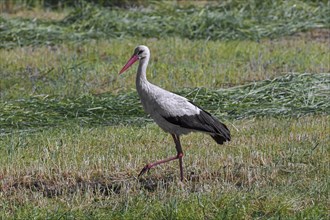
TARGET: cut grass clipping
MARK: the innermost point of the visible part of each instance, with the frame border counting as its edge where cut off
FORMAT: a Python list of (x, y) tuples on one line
[(288, 95), (230, 20)]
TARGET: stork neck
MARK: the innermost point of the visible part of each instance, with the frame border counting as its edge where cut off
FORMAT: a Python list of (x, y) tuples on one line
[(141, 76)]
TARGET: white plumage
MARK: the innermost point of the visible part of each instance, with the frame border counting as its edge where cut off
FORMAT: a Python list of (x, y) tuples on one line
[(173, 113), (161, 104)]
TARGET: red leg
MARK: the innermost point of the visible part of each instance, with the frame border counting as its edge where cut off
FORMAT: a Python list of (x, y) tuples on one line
[(178, 156), (180, 153)]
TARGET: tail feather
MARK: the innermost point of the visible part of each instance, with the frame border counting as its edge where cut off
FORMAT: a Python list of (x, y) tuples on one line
[(220, 131), (219, 139)]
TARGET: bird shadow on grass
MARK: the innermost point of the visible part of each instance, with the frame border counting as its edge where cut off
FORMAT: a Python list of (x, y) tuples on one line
[(153, 182)]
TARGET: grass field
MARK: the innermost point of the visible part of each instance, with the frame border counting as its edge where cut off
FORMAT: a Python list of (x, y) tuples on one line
[(73, 135)]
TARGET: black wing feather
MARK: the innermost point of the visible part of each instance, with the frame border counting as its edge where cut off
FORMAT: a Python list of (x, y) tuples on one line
[(204, 122)]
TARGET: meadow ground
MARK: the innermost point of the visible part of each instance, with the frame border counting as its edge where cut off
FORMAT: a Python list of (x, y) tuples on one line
[(73, 136)]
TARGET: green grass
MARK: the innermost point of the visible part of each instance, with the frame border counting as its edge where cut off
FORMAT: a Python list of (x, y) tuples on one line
[(229, 20), (292, 95), (73, 135)]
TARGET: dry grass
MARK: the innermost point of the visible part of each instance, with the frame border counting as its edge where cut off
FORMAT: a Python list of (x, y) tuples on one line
[(71, 69), (34, 14)]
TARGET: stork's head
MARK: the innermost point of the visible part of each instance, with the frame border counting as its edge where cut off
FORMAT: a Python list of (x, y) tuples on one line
[(141, 52)]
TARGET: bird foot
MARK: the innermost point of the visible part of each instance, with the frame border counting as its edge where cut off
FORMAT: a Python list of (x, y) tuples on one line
[(145, 169)]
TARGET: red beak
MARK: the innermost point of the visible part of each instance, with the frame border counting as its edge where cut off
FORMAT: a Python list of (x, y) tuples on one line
[(133, 59)]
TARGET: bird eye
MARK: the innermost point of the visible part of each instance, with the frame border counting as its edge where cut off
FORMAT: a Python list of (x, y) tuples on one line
[(141, 51)]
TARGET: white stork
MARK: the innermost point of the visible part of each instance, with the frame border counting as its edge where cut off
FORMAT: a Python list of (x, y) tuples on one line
[(173, 113)]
